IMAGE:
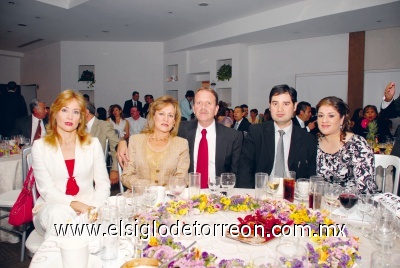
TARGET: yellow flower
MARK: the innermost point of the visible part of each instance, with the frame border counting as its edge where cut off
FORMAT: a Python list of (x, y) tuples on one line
[(202, 206), (153, 241)]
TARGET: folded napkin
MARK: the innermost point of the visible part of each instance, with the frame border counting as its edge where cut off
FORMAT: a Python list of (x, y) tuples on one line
[(354, 214), (390, 201)]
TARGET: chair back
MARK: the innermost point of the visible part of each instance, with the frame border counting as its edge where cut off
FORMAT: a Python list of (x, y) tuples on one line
[(106, 149), (385, 161), (26, 165), (121, 186)]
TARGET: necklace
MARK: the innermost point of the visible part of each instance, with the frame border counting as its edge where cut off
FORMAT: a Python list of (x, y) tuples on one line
[(153, 137)]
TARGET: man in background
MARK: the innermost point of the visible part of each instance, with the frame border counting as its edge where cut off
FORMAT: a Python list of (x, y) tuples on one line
[(12, 106), (136, 122), (303, 115), (103, 130), (148, 99), (241, 123), (186, 106), (134, 102), (32, 126)]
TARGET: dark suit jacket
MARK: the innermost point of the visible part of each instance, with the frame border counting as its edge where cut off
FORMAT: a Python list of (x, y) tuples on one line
[(145, 110), (12, 106), (228, 146), (127, 108), (23, 125), (393, 111), (258, 153), (244, 125)]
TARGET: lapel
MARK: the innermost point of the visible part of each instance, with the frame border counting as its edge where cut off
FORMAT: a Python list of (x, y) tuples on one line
[(95, 125), (270, 142), (80, 155), (59, 158), (191, 135), (220, 148), (295, 145)]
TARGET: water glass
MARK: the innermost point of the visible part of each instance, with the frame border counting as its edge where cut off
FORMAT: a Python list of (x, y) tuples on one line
[(289, 182), (273, 184), (291, 253), (109, 243), (313, 179), (214, 184), (385, 259), (331, 195), (176, 185), (228, 181), (319, 191), (384, 231), (302, 188), (260, 184), (194, 183), (138, 187), (150, 196)]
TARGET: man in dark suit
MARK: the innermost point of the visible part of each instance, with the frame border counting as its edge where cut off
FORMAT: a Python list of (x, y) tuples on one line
[(259, 150), (28, 125), (148, 99), (241, 123), (12, 106), (303, 115), (130, 103), (224, 144), (390, 108)]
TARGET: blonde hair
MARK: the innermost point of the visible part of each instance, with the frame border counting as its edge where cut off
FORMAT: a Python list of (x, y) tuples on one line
[(157, 105), (62, 100)]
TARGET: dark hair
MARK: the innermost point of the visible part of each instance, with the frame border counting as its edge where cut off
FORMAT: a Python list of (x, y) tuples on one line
[(189, 93), (222, 110), (86, 96), (112, 107), (134, 93), (101, 113), (370, 107), (212, 91), (244, 106), (282, 89), (151, 96), (302, 106), (11, 85), (240, 107), (342, 108), (356, 115), (90, 107), (254, 111), (313, 111)]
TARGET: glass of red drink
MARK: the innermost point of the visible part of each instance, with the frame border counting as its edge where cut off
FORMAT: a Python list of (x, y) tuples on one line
[(289, 182)]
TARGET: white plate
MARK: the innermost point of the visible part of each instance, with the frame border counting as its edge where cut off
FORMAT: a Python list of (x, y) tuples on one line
[(94, 262)]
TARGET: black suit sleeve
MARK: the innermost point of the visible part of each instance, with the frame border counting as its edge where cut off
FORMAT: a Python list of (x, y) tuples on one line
[(392, 111), (236, 151), (247, 163)]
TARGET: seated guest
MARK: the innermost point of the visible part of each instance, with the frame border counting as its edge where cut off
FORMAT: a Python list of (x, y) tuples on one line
[(357, 115), (370, 114), (342, 156), (32, 126), (68, 166), (118, 121), (158, 153), (136, 123), (241, 123), (145, 110), (103, 130), (277, 146), (222, 118), (101, 113), (267, 115), (303, 115), (253, 117)]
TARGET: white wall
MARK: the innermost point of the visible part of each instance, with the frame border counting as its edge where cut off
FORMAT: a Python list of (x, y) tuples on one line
[(278, 63), (42, 67), (9, 69), (120, 69)]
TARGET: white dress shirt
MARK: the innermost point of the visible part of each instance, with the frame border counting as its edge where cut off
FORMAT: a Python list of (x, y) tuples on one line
[(89, 125), (211, 141), (237, 124), (302, 123), (35, 122), (385, 104), (286, 144), (136, 126)]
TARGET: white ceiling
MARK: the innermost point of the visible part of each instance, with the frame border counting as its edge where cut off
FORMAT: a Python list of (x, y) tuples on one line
[(151, 20)]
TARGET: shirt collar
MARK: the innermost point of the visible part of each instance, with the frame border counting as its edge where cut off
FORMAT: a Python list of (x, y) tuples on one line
[(287, 129), (211, 127)]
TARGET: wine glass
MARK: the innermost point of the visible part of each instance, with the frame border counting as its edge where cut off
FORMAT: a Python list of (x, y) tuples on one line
[(228, 181), (214, 184), (176, 185), (348, 198), (331, 195), (384, 231), (382, 147), (273, 184), (364, 206)]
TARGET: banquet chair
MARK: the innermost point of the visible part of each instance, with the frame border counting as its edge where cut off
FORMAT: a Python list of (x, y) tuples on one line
[(385, 161), (8, 199), (121, 186)]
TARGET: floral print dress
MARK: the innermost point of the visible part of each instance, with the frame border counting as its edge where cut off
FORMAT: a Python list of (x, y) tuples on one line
[(352, 165)]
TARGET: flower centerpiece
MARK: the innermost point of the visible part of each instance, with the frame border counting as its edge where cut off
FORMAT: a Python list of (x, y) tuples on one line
[(88, 76)]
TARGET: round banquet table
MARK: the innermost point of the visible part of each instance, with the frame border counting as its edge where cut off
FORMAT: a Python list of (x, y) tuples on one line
[(10, 179), (222, 247)]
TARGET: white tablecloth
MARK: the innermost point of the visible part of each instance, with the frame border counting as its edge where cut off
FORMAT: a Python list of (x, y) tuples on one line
[(10, 179), (222, 247)]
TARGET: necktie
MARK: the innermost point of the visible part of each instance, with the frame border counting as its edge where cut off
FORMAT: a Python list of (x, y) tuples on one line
[(236, 125), (190, 106), (134, 104), (202, 159), (38, 132), (280, 158)]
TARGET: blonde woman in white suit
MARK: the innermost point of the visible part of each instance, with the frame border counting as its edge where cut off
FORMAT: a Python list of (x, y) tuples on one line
[(67, 162)]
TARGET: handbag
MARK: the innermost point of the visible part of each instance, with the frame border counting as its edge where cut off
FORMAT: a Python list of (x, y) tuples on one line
[(21, 211)]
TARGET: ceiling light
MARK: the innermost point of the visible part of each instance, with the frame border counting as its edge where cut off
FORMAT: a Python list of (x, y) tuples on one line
[(105, 31), (378, 21), (11, 3), (21, 24), (170, 12), (203, 4), (37, 17)]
